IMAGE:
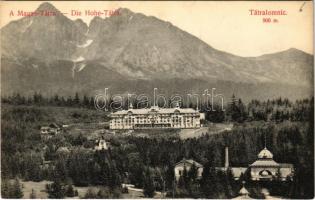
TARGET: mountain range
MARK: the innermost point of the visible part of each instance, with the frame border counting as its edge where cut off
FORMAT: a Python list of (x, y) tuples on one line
[(131, 52)]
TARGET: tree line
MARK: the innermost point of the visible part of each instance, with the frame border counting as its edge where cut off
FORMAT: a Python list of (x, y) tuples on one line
[(235, 110), (149, 162)]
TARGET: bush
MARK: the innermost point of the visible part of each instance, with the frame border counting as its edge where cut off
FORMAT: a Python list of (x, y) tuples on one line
[(33, 194), (125, 190), (107, 193), (70, 191), (11, 189), (90, 194), (56, 190)]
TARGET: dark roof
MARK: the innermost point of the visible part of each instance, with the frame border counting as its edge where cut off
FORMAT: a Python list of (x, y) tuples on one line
[(44, 127), (63, 150), (155, 109), (99, 141), (54, 125), (190, 161)]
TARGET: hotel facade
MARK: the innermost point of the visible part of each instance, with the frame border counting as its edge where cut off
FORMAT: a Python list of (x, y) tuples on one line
[(155, 117)]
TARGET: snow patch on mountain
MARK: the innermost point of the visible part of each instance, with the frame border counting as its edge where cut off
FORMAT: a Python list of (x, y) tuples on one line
[(73, 70), (81, 66), (80, 59), (86, 44), (77, 67), (35, 66), (28, 25)]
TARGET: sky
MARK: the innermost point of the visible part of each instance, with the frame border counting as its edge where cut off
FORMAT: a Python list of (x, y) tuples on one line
[(224, 25)]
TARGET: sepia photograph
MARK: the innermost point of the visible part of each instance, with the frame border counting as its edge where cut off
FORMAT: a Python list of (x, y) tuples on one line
[(157, 99)]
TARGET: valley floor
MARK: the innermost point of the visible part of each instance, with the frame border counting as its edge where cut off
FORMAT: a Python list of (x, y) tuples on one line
[(40, 191)]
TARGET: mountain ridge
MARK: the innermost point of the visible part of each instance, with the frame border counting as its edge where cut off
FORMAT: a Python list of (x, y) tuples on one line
[(132, 46)]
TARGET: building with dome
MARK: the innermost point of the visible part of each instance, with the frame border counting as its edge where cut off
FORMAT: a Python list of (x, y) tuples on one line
[(265, 168), (100, 145)]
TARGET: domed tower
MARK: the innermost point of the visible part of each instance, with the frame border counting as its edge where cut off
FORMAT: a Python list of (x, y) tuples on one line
[(265, 154)]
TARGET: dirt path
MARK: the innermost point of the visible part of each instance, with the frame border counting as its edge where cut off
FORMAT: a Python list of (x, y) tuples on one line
[(214, 128)]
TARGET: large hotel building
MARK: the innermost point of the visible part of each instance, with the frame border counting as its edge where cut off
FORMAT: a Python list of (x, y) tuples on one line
[(156, 117)]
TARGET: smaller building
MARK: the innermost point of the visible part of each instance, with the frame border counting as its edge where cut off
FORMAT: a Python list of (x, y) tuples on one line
[(62, 151), (243, 193), (46, 165), (49, 131), (52, 129), (100, 145), (202, 116), (187, 164), (265, 168), (65, 126)]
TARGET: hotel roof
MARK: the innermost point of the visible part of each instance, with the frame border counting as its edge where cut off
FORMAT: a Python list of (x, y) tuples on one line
[(155, 109)]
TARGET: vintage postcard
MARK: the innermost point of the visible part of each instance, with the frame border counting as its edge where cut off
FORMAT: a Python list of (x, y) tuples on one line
[(149, 99)]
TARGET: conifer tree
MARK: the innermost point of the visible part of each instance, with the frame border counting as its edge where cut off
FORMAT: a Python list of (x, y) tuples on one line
[(5, 188), (17, 189), (76, 99), (148, 188), (70, 191), (192, 173), (90, 194), (86, 101), (56, 190), (33, 194)]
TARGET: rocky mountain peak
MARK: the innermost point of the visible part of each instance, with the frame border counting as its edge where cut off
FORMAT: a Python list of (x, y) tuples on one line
[(46, 6), (125, 12), (136, 46)]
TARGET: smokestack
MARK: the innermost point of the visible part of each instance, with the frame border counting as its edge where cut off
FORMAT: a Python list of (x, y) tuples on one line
[(226, 164)]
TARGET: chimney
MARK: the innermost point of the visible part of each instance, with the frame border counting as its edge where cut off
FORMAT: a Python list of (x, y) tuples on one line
[(226, 164)]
